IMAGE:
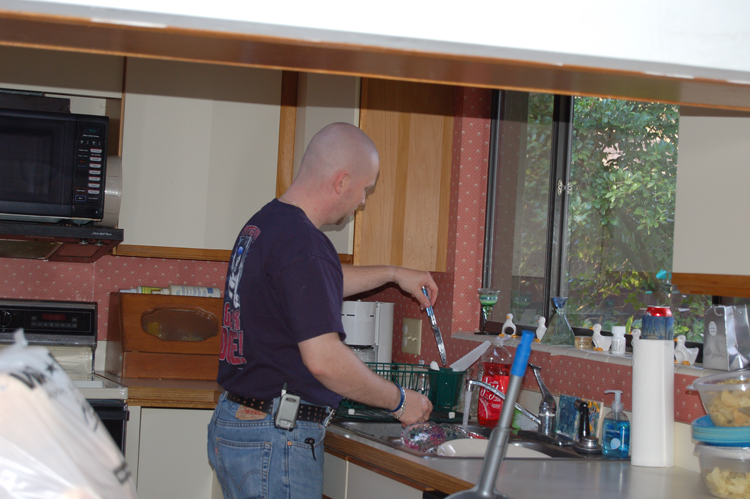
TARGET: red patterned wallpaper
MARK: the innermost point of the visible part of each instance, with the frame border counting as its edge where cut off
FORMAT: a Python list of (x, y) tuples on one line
[(92, 282)]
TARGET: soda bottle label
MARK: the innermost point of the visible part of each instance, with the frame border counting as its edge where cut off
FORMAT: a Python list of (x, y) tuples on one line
[(490, 405)]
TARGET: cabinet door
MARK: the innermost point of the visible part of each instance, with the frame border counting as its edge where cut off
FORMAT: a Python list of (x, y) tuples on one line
[(172, 457), (200, 148), (334, 477), (405, 219), (710, 234), (365, 484)]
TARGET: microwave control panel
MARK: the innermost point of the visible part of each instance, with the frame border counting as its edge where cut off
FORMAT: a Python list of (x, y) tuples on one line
[(91, 165)]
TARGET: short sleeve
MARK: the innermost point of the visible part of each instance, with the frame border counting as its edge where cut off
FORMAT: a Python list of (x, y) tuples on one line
[(313, 294)]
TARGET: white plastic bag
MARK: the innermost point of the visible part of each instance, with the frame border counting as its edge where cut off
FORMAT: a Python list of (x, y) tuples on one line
[(52, 444)]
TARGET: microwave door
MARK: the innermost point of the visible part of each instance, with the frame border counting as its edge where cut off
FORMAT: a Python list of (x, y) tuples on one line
[(37, 161)]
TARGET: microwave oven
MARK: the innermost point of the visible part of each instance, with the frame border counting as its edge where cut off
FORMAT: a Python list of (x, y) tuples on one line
[(53, 166)]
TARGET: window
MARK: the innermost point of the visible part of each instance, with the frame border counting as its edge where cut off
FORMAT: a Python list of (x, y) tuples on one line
[(582, 206)]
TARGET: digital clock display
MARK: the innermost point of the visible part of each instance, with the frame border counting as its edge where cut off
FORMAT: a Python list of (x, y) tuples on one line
[(48, 317)]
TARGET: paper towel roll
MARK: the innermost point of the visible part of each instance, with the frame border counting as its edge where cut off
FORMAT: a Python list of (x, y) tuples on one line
[(652, 432)]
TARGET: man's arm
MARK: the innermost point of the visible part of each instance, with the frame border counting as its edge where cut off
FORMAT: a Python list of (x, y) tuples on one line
[(360, 279), (340, 370)]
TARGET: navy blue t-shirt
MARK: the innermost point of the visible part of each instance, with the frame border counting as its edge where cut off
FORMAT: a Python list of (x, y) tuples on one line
[(284, 285)]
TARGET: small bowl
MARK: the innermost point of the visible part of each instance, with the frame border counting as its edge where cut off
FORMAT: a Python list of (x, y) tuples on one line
[(726, 397), (725, 470)]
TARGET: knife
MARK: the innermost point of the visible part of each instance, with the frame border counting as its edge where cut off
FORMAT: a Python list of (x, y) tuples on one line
[(435, 329)]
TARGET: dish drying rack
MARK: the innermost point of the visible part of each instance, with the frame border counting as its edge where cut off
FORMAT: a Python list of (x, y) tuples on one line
[(442, 387)]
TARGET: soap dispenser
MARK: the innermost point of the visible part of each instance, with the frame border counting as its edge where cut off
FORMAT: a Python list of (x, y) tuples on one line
[(616, 430)]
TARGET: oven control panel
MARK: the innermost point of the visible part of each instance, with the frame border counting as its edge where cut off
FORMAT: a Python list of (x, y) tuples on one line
[(48, 318)]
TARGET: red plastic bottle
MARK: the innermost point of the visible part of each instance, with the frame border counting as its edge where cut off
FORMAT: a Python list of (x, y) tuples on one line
[(496, 363)]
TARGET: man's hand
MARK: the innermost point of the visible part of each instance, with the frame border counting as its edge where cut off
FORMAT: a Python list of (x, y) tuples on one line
[(359, 279), (412, 282), (418, 408)]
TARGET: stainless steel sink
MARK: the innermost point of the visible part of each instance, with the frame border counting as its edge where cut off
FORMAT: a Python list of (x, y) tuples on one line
[(390, 434)]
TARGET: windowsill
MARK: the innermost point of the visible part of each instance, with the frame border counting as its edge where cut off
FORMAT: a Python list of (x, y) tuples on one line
[(695, 371)]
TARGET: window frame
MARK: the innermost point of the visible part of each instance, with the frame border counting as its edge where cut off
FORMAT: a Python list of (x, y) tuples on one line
[(557, 221)]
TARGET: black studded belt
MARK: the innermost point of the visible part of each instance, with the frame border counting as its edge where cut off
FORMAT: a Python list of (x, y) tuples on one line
[(307, 412)]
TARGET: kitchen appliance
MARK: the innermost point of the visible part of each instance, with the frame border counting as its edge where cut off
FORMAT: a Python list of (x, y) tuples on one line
[(53, 166), (59, 192), (68, 330), (369, 329)]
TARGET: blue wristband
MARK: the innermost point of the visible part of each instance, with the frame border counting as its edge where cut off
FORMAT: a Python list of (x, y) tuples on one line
[(401, 403)]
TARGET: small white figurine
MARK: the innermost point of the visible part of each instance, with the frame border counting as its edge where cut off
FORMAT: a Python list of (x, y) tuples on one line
[(540, 330), (508, 324), (601, 343), (683, 354), (636, 334)]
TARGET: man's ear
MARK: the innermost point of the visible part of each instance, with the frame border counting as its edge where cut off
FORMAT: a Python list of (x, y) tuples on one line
[(341, 182)]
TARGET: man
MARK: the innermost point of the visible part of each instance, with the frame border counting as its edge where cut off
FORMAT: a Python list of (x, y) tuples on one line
[(282, 328)]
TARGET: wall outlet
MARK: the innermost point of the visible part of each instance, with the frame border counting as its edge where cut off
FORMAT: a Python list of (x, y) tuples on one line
[(411, 340)]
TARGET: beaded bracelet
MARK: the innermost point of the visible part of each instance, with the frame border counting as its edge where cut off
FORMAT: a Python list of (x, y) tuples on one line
[(399, 411)]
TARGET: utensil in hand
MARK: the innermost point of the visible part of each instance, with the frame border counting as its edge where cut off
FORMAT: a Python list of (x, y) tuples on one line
[(435, 329)]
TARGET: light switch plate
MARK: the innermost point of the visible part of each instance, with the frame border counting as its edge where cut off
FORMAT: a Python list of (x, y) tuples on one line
[(411, 341)]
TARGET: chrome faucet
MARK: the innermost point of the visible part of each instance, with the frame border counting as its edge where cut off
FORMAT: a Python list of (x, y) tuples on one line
[(482, 384), (547, 407), (547, 418)]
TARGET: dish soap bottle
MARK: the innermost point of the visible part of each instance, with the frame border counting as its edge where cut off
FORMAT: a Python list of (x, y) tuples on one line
[(496, 362), (616, 430)]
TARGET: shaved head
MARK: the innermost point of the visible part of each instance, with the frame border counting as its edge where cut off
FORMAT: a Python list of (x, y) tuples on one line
[(338, 170), (335, 148)]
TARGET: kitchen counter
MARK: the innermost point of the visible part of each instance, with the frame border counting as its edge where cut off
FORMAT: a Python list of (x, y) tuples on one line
[(518, 478), (169, 393), (522, 478)]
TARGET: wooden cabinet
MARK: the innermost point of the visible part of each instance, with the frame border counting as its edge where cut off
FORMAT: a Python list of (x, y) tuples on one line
[(711, 236), (405, 219)]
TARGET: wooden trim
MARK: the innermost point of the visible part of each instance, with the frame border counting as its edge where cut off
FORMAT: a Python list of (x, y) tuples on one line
[(172, 253), (401, 180), (287, 128), (132, 250), (712, 284), (82, 35), (388, 462), (357, 236), (171, 404)]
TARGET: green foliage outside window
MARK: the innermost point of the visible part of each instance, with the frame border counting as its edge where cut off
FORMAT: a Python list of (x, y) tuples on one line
[(621, 214)]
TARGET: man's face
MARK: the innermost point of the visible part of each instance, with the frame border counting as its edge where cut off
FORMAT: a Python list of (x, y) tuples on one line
[(359, 187)]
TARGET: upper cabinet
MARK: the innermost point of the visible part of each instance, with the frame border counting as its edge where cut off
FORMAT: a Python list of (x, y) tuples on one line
[(405, 219), (711, 235), (199, 154)]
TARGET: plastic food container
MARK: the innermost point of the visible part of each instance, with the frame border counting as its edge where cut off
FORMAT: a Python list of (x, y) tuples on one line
[(726, 397), (725, 470)]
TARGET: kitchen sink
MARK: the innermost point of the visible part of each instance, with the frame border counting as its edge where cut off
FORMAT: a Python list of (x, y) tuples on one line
[(390, 434)]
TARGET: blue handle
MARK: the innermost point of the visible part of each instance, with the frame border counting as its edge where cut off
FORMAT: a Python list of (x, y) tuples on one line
[(522, 354)]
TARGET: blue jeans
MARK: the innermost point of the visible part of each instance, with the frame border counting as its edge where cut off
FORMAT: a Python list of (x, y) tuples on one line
[(254, 459)]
